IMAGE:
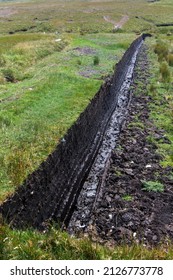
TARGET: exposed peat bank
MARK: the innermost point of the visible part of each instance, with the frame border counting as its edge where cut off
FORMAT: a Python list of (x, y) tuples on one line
[(93, 183)]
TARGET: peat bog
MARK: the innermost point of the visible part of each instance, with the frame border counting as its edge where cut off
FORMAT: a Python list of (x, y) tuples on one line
[(54, 56), (128, 212)]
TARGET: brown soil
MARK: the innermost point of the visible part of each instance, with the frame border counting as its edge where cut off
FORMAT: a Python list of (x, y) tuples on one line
[(88, 73), (126, 212), (85, 50)]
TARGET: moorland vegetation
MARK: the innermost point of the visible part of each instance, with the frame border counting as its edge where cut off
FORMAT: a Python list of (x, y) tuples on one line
[(54, 55)]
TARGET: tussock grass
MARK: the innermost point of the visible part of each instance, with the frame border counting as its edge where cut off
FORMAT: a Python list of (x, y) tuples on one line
[(161, 49), (170, 59), (162, 106), (9, 41), (96, 60), (20, 52), (165, 72)]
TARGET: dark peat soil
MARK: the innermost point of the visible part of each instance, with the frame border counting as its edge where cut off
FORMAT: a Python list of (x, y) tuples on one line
[(125, 212)]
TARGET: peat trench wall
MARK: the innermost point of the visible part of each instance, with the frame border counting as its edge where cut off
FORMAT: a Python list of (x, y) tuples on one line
[(50, 193)]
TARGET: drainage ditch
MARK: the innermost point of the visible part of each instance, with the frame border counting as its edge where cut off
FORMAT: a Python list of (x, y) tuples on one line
[(66, 186), (94, 182)]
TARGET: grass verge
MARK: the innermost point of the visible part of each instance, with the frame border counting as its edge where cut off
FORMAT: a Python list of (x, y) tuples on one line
[(160, 90), (53, 80), (57, 245)]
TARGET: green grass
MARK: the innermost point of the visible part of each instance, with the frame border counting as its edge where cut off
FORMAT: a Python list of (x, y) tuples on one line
[(18, 52), (152, 186), (58, 245), (52, 85), (72, 16), (127, 197), (162, 105)]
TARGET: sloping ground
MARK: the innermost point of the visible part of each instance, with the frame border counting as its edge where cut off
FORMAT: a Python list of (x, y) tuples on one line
[(58, 180), (129, 209), (134, 203)]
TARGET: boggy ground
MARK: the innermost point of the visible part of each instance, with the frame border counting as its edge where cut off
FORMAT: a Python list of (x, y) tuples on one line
[(125, 211)]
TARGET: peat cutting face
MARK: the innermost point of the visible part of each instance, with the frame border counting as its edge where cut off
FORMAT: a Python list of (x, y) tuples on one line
[(128, 211)]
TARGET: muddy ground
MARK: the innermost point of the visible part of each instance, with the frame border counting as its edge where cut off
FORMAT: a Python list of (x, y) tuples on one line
[(126, 212)]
